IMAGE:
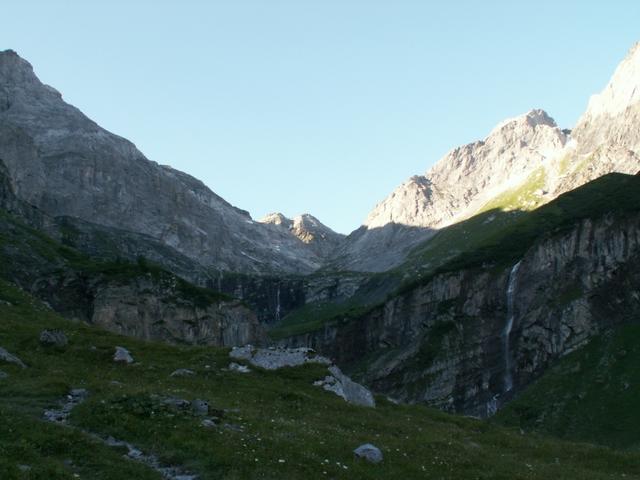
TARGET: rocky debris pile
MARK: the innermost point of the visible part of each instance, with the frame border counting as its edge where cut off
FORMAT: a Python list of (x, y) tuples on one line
[(122, 355), (73, 399), (275, 358), (369, 452), (53, 338), (182, 372), (79, 395), (346, 388), (150, 460), (10, 358)]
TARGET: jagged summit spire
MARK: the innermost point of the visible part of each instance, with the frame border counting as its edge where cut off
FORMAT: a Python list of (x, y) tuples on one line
[(622, 91), (532, 119), (14, 69)]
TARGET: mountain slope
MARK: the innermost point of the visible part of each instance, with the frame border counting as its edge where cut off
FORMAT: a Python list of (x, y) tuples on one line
[(591, 395), (456, 187), (65, 164), (265, 424), (523, 163)]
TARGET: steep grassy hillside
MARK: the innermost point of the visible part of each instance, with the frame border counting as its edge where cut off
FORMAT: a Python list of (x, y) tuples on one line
[(272, 424), (592, 395)]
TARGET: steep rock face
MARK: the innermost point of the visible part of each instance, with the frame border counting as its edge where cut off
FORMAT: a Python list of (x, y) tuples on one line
[(319, 238), (445, 343), (155, 305), (149, 307), (456, 187), (141, 310), (65, 164)]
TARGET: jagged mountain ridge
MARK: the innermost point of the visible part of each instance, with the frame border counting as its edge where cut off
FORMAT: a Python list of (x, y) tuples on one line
[(453, 189), (523, 163), (65, 164), (320, 238)]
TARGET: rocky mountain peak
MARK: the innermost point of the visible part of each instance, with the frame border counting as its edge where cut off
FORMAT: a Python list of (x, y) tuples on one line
[(17, 77), (471, 174), (622, 91), (278, 219), (14, 69), (308, 229), (531, 119), (456, 187)]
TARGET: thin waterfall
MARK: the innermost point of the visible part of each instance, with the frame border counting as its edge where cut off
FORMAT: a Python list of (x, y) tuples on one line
[(278, 304), (506, 333)]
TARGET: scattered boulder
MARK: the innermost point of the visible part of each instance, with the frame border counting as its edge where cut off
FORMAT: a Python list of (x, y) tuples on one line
[(122, 355), (183, 372), (177, 403), (369, 452), (200, 407), (53, 338), (242, 353), (236, 367), (275, 358), (3, 375), (208, 423), (344, 387), (9, 358)]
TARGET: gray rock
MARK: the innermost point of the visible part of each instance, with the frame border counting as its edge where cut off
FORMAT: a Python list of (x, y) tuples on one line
[(3, 375), (183, 372), (242, 353), (236, 367), (343, 386), (200, 407), (79, 394), (53, 338), (275, 358), (122, 355), (75, 397), (9, 358), (369, 452), (208, 423), (177, 403)]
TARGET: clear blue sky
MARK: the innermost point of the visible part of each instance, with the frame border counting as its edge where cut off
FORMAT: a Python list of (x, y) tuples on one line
[(317, 106)]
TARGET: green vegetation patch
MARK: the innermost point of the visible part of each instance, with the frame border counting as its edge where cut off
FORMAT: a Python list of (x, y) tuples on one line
[(272, 424), (591, 395)]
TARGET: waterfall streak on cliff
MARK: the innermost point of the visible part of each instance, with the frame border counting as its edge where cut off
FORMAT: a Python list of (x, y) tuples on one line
[(506, 333)]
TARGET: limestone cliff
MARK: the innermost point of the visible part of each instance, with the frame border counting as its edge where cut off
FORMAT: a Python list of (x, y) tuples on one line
[(446, 343)]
